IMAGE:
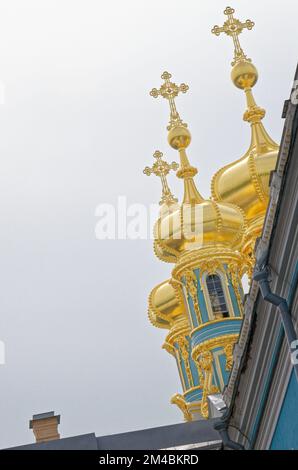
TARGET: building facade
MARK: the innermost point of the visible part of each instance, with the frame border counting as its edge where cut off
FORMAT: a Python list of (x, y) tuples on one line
[(262, 393)]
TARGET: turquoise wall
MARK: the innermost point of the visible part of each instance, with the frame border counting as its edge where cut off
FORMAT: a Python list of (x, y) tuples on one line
[(276, 437), (286, 432)]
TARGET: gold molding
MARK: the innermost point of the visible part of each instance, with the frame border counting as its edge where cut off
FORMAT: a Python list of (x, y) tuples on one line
[(192, 290), (209, 257), (187, 408), (209, 344)]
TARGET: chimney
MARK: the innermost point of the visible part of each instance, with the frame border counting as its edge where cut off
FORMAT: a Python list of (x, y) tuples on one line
[(45, 426)]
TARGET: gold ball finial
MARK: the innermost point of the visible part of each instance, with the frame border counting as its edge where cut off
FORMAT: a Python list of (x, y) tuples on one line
[(244, 74), (179, 137)]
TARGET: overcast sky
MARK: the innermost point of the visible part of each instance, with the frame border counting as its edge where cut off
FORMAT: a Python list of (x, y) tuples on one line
[(77, 127)]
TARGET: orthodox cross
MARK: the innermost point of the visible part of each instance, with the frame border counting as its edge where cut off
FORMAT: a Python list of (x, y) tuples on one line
[(170, 90), (161, 168), (233, 27)]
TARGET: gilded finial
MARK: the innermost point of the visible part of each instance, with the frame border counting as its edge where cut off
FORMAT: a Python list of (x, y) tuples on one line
[(244, 74), (161, 168), (170, 91), (179, 136), (233, 27)]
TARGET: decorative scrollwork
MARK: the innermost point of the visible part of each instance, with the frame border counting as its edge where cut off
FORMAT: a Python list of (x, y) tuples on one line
[(191, 284), (178, 400), (204, 364), (184, 351)]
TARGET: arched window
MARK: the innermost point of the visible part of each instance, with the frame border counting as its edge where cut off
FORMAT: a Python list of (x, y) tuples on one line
[(217, 297)]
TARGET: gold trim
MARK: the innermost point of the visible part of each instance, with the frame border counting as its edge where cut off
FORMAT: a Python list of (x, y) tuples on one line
[(214, 343), (195, 259), (184, 355), (193, 389), (203, 357), (178, 400), (187, 408), (192, 291)]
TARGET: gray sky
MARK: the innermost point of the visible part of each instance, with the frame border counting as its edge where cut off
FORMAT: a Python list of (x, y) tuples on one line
[(77, 128)]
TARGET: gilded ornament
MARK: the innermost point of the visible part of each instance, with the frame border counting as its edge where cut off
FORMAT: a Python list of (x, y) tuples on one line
[(161, 168), (178, 400), (170, 91), (191, 284), (233, 27)]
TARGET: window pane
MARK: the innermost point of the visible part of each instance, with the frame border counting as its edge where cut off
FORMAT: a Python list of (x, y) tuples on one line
[(216, 295)]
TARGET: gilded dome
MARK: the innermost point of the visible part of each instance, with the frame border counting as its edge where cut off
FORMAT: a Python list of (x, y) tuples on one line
[(196, 226), (245, 182), (165, 307), (197, 223)]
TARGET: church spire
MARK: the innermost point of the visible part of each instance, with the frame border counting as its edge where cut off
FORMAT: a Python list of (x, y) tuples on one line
[(244, 75), (179, 137)]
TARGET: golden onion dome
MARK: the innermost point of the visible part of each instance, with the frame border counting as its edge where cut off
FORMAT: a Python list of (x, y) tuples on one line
[(245, 182), (165, 305), (197, 223), (196, 226)]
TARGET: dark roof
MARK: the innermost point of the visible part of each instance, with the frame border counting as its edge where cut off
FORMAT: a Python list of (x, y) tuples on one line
[(83, 442), (194, 434)]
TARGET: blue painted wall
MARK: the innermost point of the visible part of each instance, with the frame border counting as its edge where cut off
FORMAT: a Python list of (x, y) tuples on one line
[(286, 431)]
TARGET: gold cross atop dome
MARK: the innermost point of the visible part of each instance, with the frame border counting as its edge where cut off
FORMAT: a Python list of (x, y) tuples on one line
[(233, 27), (179, 136), (170, 91), (161, 168), (244, 74)]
